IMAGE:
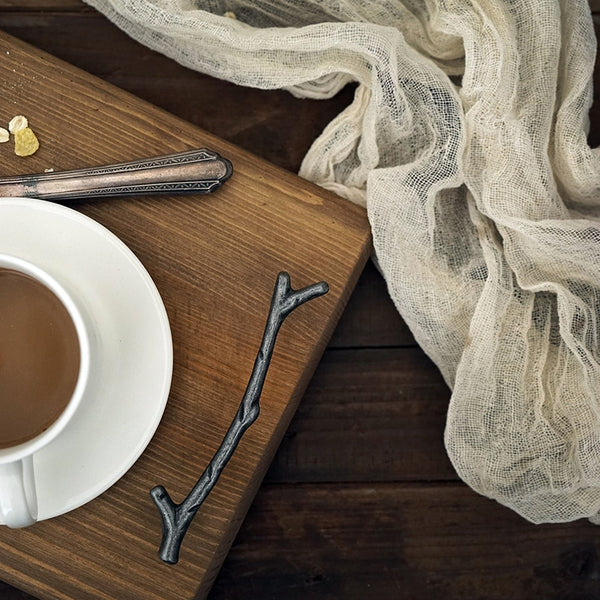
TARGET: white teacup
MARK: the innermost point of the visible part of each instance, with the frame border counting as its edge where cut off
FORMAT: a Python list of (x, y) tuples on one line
[(28, 432)]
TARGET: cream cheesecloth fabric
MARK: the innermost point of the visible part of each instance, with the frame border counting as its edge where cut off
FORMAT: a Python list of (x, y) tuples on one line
[(466, 142)]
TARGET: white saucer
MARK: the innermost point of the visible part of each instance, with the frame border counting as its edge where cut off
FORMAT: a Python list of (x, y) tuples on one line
[(134, 355)]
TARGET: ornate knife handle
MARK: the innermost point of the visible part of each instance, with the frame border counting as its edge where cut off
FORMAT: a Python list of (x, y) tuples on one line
[(194, 171)]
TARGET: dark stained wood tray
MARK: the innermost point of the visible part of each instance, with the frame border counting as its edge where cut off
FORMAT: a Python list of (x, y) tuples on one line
[(214, 260)]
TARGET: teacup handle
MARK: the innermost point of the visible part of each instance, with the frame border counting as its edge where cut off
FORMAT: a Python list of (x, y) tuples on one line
[(18, 498)]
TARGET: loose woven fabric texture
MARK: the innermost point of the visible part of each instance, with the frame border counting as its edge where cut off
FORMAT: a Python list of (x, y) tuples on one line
[(466, 142)]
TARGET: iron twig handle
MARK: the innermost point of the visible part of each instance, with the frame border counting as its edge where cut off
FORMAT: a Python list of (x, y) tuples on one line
[(193, 171), (176, 518)]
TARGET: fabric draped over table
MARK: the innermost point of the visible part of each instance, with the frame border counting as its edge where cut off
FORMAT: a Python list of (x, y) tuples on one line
[(467, 144)]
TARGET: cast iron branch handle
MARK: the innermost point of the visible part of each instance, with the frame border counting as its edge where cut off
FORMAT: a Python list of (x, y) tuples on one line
[(197, 171), (176, 518)]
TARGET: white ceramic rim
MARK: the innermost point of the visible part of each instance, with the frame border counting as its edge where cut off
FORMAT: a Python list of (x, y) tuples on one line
[(86, 472), (14, 453)]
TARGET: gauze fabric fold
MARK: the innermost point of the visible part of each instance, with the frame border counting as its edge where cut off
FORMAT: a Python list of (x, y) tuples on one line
[(467, 144)]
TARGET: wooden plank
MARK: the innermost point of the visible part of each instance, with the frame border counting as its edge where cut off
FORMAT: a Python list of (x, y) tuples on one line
[(214, 260), (422, 541), (43, 5), (368, 415), (370, 318), (394, 541), (7, 592)]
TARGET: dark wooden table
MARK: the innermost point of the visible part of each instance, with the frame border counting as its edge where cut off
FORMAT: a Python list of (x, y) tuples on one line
[(361, 500)]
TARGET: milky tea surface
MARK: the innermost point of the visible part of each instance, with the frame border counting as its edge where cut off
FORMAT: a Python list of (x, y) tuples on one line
[(39, 357)]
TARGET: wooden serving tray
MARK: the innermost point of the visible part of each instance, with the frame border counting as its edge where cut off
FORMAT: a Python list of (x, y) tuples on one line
[(214, 260)]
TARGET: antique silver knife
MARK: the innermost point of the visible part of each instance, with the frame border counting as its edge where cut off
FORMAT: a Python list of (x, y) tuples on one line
[(193, 171)]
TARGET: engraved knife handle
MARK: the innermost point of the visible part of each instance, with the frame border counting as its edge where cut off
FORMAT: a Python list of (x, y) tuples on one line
[(197, 171)]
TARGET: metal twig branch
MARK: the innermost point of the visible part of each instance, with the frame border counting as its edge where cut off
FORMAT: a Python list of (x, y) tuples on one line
[(176, 518)]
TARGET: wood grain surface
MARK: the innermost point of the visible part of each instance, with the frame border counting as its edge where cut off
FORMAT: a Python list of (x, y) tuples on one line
[(360, 500)]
